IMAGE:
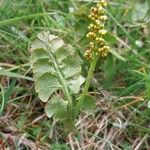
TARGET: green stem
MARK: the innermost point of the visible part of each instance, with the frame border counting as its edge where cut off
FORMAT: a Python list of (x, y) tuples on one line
[(88, 80), (65, 90), (61, 79)]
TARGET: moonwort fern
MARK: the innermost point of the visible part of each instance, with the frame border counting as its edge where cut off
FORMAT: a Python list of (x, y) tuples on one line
[(56, 68)]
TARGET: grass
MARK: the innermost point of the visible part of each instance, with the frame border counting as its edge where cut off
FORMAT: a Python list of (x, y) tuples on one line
[(121, 83)]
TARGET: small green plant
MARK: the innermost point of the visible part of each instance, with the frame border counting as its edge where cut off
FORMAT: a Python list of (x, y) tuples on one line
[(57, 70)]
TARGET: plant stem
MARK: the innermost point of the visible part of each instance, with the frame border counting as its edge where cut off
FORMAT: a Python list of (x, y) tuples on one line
[(88, 80), (61, 79), (65, 90)]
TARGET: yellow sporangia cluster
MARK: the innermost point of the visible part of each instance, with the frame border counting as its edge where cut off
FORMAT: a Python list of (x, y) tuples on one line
[(98, 45)]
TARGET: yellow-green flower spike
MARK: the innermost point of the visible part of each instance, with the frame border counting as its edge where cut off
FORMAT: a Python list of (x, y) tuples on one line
[(102, 32), (97, 45), (103, 3)]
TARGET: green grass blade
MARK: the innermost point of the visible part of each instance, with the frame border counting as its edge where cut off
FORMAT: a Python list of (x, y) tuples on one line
[(17, 19), (15, 75), (6, 95)]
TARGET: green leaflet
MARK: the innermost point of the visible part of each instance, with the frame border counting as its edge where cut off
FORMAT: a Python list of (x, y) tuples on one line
[(56, 106), (46, 85), (55, 66), (88, 104)]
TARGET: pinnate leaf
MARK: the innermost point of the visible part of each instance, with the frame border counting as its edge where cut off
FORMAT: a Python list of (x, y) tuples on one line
[(53, 61)]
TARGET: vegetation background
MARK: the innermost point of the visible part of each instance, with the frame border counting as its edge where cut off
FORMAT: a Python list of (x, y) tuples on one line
[(121, 83)]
